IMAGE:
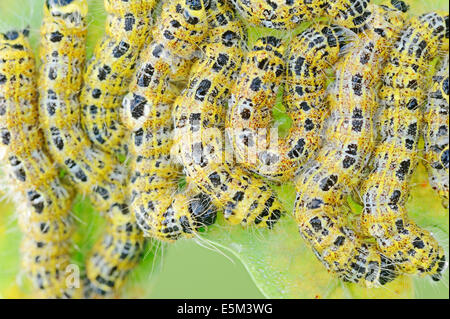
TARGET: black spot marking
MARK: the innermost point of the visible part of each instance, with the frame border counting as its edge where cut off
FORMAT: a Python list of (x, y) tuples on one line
[(357, 84), (202, 89), (328, 182), (256, 84), (137, 106), (403, 170), (120, 49), (96, 93), (215, 179), (129, 22), (56, 36), (103, 72), (316, 224), (145, 77)]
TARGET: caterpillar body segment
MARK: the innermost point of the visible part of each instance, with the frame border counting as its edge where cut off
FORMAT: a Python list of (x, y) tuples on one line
[(253, 96), (43, 202), (310, 53), (160, 210), (93, 172), (287, 14), (324, 183), (118, 251), (182, 26), (199, 141), (385, 191), (436, 132), (110, 69)]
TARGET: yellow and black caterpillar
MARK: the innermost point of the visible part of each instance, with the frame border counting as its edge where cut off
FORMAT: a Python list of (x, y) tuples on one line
[(287, 14), (436, 132), (43, 202), (147, 112), (324, 183), (93, 172), (385, 191), (255, 92), (109, 71), (199, 139)]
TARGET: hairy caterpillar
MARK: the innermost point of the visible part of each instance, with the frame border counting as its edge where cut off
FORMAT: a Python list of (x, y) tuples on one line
[(147, 111), (43, 202), (93, 172), (385, 191), (436, 132), (199, 120), (110, 69), (287, 14), (320, 207), (255, 91)]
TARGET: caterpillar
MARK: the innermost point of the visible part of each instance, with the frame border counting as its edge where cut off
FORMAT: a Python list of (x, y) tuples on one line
[(385, 191), (287, 14), (109, 72), (436, 133), (92, 171), (147, 112), (198, 140), (322, 185), (183, 27), (44, 203), (255, 93)]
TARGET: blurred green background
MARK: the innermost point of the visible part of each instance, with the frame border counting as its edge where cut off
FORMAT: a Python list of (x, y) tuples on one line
[(239, 263)]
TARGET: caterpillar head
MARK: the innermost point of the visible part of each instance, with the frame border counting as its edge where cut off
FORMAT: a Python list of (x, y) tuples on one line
[(202, 210)]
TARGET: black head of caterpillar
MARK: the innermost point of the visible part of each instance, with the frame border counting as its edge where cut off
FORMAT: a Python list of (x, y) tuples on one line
[(187, 212)]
